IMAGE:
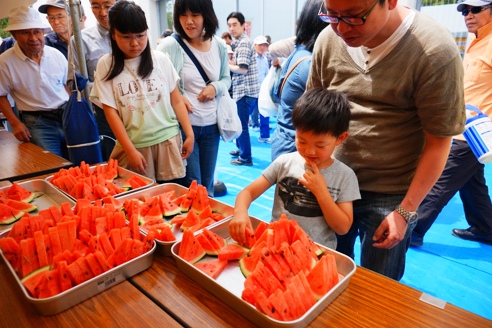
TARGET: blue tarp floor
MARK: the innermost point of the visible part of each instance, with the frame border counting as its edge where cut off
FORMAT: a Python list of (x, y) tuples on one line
[(446, 267)]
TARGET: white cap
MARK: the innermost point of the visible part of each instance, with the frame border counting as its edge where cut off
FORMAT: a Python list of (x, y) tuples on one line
[(24, 18), (260, 40), (473, 3)]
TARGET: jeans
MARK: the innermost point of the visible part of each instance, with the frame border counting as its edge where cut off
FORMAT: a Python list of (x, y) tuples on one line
[(264, 121), (243, 143), (369, 212), (201, 163), (463, 173), (283, 142), (47, 134)]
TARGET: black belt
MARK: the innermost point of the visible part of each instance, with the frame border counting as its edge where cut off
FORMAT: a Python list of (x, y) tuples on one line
[(54, 115)]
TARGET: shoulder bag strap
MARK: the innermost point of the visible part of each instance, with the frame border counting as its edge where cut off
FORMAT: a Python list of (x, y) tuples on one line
[(288, 73), (193, 58)]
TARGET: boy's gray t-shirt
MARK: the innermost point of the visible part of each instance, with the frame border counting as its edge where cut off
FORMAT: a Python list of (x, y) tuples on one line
[(293, 199)]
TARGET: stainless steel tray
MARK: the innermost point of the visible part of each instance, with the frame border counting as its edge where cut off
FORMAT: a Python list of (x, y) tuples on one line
[(49, 195), (123, 176), (230, 283), (164, 248), (79, 293)]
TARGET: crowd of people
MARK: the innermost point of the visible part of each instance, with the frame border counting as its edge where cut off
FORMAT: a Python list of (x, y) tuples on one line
[(371, 109)]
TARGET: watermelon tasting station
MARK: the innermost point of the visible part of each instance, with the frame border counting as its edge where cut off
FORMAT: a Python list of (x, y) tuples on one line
[(102, 246)]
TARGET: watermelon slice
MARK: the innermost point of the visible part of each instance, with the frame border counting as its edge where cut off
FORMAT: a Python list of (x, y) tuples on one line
[(201, 200), (17, 192), (168, 207), (9, 215), (22, 206), (32, 281), (11, 250), (215, 240), (232, 252), (323, 276), (190, 249), (211, 268)]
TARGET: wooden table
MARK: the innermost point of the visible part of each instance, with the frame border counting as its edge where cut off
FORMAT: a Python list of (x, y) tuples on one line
[(370, 300), (122, 305), (22, 160)]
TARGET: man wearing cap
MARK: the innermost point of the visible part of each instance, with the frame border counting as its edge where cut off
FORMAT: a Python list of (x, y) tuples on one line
[(263, 63), (245, 86), (61, 23), (95, 43), (463, 173), (34, 75)]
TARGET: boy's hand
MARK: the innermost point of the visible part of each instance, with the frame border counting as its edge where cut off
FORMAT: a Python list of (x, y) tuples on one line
[(313, 180), (237, 227), (187, 148)]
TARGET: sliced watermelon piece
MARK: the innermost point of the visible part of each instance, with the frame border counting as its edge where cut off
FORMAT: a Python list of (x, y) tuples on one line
[(280, 307), (11, 250), (17, 192), (51, 284), (168, 207), (323, 276), (260, 228), (136, 182), (248, 263), (9, 215), (211, 268), (201, 200), (191, 219), (33, 281), (215, 240), (65, 282), (190, 249), (21, 206), (232, 252)]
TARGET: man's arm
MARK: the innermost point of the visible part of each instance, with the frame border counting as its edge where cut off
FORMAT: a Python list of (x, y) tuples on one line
[(429, 169), (21, 132)]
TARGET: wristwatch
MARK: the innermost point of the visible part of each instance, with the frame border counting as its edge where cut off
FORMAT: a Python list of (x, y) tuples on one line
[(410, 217)]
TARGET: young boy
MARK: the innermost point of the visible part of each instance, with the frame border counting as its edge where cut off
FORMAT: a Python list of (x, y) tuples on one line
[(312, 188)]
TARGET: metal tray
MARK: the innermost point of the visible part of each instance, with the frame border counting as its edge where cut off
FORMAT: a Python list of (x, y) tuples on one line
[(164, 248), (123, 176), (230, 283), (91, 287), (48, 196)]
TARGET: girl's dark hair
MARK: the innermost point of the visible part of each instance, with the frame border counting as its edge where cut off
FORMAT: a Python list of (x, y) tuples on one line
[(322, 111), (238, 16), (127, 17), (309, 26), (203, 7)]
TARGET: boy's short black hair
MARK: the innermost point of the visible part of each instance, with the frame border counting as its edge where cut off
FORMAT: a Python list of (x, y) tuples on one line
[(322, 111)]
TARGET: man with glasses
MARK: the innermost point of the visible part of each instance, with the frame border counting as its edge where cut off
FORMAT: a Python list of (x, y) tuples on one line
[(403, 74), (95, 43), (61, 23), (463, 172)]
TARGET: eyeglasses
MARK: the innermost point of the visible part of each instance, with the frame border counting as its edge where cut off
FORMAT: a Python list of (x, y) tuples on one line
[(99, 8), (348, 20), (60, 18), (140, 37), (474, 10)]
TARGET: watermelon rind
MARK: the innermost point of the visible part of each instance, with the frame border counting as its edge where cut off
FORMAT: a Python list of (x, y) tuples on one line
[(9, 215), (21, 206), (35, 272)]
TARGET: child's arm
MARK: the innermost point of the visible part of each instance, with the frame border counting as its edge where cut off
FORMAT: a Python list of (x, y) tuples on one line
[(135, 158), (182, 113), (338, 216), (240, 220)]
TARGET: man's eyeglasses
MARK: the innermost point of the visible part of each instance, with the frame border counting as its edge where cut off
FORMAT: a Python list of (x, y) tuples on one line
[(60, 18), (348, 20), (474, 10)]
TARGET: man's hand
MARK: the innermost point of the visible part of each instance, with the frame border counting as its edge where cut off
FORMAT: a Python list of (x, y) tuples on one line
[(390, 232)]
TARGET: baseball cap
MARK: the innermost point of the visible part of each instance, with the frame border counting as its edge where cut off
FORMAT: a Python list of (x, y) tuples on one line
[(473, 3), (260, 40), (53, 3)]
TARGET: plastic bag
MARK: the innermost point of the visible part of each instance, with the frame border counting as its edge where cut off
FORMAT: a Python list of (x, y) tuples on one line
[(228, 121), (267, 102)]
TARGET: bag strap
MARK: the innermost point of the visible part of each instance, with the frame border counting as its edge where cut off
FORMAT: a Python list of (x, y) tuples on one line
[(290, 71), (193, 58)]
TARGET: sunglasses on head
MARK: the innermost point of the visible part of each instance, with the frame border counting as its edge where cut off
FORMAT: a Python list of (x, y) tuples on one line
[(474, 10)]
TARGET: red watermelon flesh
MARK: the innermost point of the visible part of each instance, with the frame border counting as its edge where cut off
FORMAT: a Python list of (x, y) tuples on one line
[(9, 215), (64, 278), (280, 306), (21, 206), (215, 240), (211, 268), (12, 252), (167, 206), (280, 270), (187, 201), (260, 228), (21, 229), (264, 306), (32, 282), (115, 237), (206, 213), (248, 263), (17, 192), (29, 259), (41, 249), (51, 284), (93, 264), (250, 238), (323, 277), (191, 219), (190, 249), (203, 224), (232, 252), (206, 244), (201, 200)]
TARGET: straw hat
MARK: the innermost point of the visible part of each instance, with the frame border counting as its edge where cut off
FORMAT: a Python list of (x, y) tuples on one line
[(24, 18)]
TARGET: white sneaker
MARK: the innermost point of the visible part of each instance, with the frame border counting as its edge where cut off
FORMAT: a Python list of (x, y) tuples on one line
[(265, 140)]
